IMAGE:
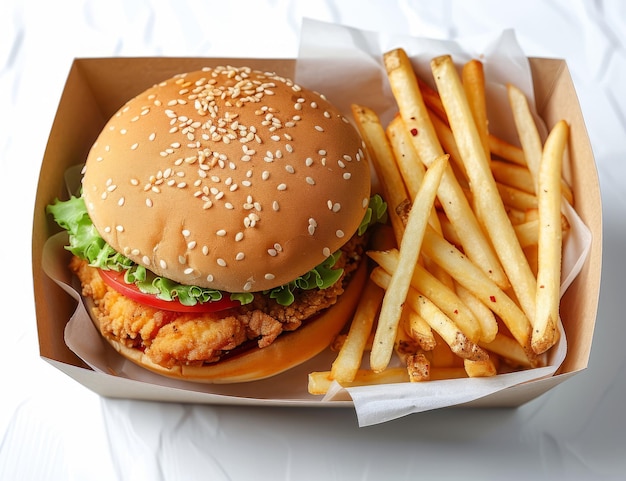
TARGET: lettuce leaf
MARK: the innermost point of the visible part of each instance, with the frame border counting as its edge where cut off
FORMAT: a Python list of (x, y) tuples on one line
[(85, 242)]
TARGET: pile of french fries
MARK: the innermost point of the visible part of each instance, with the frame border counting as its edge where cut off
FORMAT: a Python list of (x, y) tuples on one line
[(467, 274)]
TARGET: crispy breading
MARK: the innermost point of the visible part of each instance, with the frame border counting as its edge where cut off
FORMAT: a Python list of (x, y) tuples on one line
[(173, 338)]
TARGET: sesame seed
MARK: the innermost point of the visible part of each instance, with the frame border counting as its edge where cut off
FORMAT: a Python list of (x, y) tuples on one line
[(119, 228), (107, 229), (272, 252), (240, 256), (308, 162), (182, 260), (191, 245), (365, 202), (347, 175), (209, 278), (265, 175), (146, 260), (282, 187), (339, 233), (134, 182), (185, 233), (163, 264), (221, 262), (238, 236), (310, 181), (121, 201), (188, 271), (326, 252), (275, 206), (290, 169), (221, 232), (205, 250), (319, 128), (269, 276), (247, 286)]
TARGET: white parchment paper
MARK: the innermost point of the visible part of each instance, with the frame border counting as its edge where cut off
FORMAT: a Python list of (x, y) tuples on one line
[(346, 64)]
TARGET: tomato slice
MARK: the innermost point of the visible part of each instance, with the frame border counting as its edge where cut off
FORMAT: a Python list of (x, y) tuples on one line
[(115, 280)]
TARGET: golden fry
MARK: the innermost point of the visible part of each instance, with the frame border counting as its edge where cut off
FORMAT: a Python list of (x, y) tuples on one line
[(502, 149), (484, 368), (513, 175), (410, 246), (473, 279), (440, 294), (474, 86), (418, 329), (484, 315), (515, 198), (508, 348), (439, 322), (349, 359), (377, 144), (526, 130), (320, 381), (487, 201), (545, 332), (416, 118)]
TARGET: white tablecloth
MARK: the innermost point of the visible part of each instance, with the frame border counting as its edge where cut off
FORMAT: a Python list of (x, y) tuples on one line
[(53, 428)]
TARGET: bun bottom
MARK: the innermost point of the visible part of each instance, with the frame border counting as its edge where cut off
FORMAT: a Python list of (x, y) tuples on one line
[(289, 350)]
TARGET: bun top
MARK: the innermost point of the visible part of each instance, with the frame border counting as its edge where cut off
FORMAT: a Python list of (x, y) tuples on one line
[(227, 178)]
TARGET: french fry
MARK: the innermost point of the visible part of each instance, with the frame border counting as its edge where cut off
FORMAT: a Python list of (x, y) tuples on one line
[(473, 279), (545, 332), (349, 359), (409, 164), (418, 367), (515, 198), (410, 246), (526, 130), (445, 136), (320, 381), (509, 349), (439, 322), (431, 98), (513, 175), (380, 151), (484, 315), (488, 203), (474, 85), (484, 368), (440, 294), (418, 329), (506, 151), (415, 115), (527, 233)]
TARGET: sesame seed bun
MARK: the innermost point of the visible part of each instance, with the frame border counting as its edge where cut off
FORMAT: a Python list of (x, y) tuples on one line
[(227, 178)]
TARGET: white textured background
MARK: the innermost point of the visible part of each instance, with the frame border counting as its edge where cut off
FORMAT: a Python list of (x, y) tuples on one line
[(52, 428)]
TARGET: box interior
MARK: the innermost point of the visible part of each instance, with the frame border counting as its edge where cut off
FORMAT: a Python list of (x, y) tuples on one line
[(96, 88)]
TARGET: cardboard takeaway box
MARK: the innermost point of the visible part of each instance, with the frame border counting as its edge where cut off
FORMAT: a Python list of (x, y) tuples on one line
[(96, 88)]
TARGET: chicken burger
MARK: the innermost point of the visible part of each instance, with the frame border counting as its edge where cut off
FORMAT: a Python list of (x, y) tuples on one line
[(219, 231)]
